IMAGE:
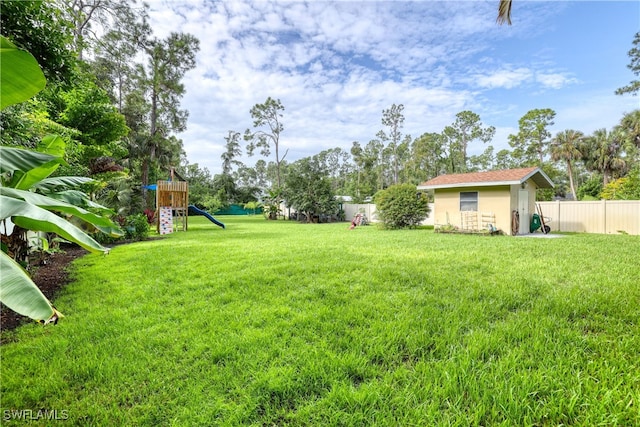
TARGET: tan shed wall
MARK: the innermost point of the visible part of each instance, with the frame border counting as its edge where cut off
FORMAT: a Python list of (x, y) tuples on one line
[(447, 207), (491, 200)]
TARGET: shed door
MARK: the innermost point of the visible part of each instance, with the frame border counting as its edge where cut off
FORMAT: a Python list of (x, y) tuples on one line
[(523, 210)]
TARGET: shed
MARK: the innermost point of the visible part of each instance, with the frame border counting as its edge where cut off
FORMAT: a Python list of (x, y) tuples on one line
[(503, 198)]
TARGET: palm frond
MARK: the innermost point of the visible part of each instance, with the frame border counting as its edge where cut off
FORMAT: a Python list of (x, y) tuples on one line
[(504, 12)]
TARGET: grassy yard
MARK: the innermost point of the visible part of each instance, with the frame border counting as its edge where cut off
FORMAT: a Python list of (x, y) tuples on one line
[(280, 323)]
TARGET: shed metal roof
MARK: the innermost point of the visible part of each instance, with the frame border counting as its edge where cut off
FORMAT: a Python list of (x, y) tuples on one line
[(491, 178)]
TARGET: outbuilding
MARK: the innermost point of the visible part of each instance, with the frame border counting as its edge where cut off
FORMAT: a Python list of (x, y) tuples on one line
[(502, 199)]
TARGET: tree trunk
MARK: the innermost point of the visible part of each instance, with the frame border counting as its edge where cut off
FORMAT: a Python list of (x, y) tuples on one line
[(541, 153), (150, 155), (571, 183), (145, 180), (464, 155), (395, 166)]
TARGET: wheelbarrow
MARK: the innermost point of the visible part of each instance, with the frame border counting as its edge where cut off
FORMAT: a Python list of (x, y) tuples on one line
[(539, 222)]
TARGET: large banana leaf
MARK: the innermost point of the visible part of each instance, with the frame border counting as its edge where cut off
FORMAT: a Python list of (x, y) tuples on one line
[(21, 75), (20, 294), (17, 159), (52, 204), (32, 217), (24, 179), (78, 198), (52, 144), (50, 184), (27, 167)]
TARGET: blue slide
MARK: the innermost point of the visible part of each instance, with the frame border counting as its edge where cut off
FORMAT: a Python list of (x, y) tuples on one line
[(194, 209)]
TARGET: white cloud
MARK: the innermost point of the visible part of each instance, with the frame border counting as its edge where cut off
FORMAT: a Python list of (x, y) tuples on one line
[(506, 78), (336, 66), (555, 80), (510, 77)]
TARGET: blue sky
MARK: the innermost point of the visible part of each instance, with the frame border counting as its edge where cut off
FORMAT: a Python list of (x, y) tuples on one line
[(336, 66)]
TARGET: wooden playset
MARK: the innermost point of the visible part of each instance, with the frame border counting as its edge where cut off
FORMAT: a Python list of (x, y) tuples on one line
[(172, 204)]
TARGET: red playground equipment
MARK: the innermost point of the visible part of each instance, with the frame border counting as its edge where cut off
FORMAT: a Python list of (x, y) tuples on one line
[(358, 219)]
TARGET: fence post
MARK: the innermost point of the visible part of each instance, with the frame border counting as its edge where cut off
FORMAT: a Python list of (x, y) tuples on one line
[(558, 216)]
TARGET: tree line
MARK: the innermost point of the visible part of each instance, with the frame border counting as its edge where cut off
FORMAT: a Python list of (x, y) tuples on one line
[(114, 92), (602, 164)]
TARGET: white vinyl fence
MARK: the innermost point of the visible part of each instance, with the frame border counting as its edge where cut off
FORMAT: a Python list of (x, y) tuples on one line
[(600, 217), (369, 209)]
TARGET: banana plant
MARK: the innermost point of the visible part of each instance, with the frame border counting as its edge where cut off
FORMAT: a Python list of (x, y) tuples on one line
[(33, 200), (46, 210), (22, 77)]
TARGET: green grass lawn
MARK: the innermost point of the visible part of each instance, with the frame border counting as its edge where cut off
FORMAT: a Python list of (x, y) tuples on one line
[(280, 323)]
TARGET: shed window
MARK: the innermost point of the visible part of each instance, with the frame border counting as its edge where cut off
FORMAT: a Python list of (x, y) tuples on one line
[(468, 201)]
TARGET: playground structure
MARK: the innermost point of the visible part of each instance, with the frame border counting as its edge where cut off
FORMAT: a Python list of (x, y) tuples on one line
[(359, 219), (172, 199), (172, 206)]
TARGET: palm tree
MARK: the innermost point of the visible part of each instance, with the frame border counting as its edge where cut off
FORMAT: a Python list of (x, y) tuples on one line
[(564, 147), (602, 152)]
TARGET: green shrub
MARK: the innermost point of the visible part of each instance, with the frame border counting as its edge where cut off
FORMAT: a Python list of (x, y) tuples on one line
[(627, 188), (401, 206), (105, 239), (213, 203), (136, 227), (591, 189)]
